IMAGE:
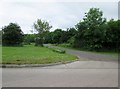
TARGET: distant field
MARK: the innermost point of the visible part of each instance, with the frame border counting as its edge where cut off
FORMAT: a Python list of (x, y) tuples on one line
[(30, 54)]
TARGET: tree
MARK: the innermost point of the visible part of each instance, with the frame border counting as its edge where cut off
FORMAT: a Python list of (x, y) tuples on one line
[(57, 34), (71, 32), (112, 34), (12, 35), (41, 27), (48, 37), (89, 30)]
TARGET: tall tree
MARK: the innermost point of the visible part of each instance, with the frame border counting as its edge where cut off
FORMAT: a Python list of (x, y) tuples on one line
[(12, 35), (90, 29), (42, 27)]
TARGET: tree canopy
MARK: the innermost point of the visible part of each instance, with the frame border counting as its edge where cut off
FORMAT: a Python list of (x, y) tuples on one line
[(95, 33), (12, 35), (42, 27)]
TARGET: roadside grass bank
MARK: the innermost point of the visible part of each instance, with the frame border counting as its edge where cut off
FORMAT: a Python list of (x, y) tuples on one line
[(29, 54)]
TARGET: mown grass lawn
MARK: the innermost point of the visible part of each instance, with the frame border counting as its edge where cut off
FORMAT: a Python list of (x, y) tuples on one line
[(30, 54)]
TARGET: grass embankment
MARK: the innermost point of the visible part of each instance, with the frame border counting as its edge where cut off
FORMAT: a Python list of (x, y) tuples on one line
[(30, 54), (100, 52)]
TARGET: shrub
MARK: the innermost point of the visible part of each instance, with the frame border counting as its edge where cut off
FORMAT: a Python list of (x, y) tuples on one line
[(38, 41)]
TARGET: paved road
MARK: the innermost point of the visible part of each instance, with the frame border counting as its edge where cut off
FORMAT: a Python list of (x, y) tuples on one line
[(89, 56), (76, 74)]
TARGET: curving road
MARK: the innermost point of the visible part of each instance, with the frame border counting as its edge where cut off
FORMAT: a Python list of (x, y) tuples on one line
[(77, 74), (89, 56)]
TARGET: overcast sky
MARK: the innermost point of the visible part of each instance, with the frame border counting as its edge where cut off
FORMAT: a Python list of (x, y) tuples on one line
[(59, 14)]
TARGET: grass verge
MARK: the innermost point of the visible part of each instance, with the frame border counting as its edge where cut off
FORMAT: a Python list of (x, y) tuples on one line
[(30, 54)]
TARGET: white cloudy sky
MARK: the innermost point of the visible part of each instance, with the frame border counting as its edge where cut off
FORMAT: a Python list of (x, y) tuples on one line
[(58, 14)]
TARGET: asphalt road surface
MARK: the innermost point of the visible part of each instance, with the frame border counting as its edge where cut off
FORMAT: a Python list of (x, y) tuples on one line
[(89, 56), (77, 74)]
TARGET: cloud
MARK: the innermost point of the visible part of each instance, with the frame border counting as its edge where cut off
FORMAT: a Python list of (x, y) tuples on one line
[(59, 14)]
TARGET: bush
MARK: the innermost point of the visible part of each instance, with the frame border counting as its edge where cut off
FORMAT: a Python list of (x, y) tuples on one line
[(29, 38), (38, 41)]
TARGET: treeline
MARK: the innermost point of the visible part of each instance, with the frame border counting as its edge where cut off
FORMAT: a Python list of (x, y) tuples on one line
[(93, 32), (58, 36), (104, 38)]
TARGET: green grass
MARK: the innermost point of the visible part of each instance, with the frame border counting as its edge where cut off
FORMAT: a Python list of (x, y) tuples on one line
[(30, 54)]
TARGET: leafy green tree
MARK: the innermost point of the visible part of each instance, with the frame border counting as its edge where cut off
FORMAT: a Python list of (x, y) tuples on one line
[(112, 34), (57, 34), (71, 32), (64, 37), (89, 30), (41, 27), (94, 21), (79, 39), (12, 35), (48, 37)]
